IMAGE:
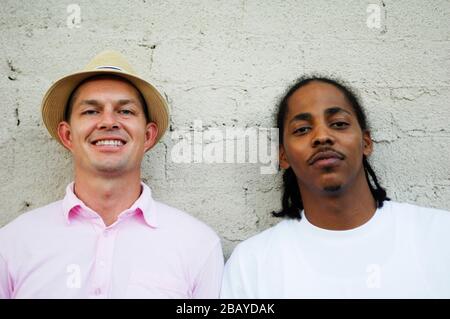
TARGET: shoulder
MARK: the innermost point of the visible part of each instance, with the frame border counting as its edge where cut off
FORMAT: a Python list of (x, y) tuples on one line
[(24, 229), (429, 237), (254, 260), (419, 214), (426, 224), (267, 242), (183, 223), (32, 220)]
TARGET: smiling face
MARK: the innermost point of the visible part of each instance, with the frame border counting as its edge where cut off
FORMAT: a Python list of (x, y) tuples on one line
[(322, 140), (107, 132)]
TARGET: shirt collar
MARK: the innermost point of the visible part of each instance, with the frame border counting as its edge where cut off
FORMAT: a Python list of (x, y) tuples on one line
[(144, 205)]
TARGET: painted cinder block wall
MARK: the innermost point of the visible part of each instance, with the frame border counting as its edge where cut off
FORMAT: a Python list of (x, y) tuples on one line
[(226, 63)]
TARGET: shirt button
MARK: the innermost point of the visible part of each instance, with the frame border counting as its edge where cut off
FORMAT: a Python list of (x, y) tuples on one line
[(98, 291)]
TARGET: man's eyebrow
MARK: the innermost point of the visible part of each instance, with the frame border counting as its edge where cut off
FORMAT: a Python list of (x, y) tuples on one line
[(301, 117), (90, 102), (97, 103), (334, 110), (126, 101)]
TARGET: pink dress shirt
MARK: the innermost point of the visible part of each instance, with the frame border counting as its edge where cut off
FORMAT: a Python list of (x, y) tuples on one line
[(64, 250)]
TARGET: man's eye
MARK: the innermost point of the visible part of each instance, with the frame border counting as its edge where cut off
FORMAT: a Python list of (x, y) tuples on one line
[(340, 125), (302, 130), (126, 112), (90, 112)]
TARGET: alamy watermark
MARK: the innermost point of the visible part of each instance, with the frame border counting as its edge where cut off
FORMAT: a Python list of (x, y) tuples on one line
[(73, 279), (255, 145), (373, 280), (376, 17), (74, 18)]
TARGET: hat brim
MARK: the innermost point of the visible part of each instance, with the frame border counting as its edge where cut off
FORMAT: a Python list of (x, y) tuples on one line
[(56, 99)]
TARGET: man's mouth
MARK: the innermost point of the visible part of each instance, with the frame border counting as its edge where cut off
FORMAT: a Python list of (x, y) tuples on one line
[(109, 142), (326, 158)]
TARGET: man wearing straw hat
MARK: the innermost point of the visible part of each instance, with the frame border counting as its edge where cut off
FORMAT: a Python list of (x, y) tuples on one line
[(107, 238)]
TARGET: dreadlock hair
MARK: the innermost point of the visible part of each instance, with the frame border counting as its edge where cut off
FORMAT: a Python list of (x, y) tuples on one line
[(291, 201)]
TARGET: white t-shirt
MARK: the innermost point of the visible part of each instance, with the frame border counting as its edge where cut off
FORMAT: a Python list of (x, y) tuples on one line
[(403, 251)]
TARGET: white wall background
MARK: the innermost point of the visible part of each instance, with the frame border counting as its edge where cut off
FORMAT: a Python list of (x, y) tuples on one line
[(227, 63)]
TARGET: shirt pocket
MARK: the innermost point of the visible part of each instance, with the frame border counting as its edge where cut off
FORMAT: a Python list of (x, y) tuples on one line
[(148, 285)]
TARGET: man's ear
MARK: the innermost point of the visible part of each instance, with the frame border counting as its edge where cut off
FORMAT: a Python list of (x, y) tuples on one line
[(283, 158), (151, 131), (65, 134), (367, 143)]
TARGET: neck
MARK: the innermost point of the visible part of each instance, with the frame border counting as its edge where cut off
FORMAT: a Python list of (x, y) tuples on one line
[(107, 196), (346, 209)]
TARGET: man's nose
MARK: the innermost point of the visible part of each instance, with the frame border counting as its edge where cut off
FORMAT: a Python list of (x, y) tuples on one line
[(322, 136), (108, 120)]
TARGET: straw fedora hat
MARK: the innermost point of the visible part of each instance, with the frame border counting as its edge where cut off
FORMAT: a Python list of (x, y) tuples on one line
[(106, 62)]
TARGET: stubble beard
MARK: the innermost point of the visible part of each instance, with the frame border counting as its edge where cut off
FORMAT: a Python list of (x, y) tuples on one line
[(333, 188)]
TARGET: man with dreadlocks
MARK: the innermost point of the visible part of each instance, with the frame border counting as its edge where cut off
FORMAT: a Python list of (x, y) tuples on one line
[(342, 238)]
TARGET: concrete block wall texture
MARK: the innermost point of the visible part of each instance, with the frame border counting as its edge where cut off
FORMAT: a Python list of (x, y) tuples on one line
[(227, 63)]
